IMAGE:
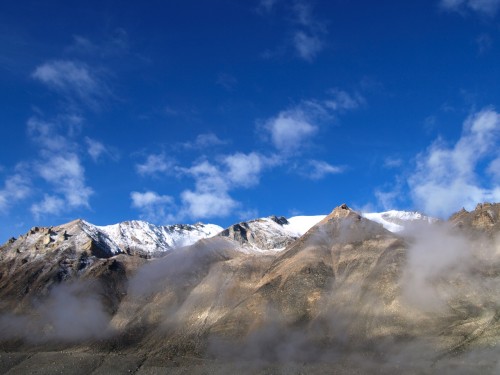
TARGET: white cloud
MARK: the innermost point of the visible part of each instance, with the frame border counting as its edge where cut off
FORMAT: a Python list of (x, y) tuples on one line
[(307, 39), (446, 178), (67, 175), (318, 169), (290, 130), (245, 169), (16, 188), (393, 162), (153, 206), (486, 7), (387, 199), (208, 177), (97, 149), (342, 100), (293, 128), (72, 78), (66, 75), (46, 135), (203, 141), (307, 45), (305, 30), (155, 163), (50, 205), (494, 169), (199, 204), (148, 199), (213, 184), (59, 164)]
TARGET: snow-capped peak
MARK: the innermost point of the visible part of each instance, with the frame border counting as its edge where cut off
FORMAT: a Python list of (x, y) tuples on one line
[(299, 225), (393, 220), (142, 236)]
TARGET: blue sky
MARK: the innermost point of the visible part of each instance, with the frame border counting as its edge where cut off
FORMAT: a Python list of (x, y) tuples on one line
[(221, 111)]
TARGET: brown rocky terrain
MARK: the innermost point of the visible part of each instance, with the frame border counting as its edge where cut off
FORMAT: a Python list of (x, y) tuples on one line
[(348, 296)]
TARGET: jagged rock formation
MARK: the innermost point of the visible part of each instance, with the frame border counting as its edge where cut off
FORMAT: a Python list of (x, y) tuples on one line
[(485, 218), (345, 288), (263, 234)]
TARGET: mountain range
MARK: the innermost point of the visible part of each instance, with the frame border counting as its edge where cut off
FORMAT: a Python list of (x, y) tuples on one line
[(345, 292)]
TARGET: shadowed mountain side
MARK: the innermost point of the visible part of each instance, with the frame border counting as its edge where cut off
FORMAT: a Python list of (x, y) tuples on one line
[(173, 301), (345, 262), (46, 257)]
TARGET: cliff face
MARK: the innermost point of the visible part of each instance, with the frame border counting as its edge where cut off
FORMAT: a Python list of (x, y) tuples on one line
[(347, 285), (261, 235), (485, 219)]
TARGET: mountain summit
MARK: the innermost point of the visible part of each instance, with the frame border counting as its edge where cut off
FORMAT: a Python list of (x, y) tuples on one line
[(271, 290)]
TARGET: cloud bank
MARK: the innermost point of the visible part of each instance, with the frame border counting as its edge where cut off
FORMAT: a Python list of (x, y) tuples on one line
[(446, 177)]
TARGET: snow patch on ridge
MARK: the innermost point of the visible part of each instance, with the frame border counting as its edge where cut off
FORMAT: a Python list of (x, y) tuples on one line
[(143, 236), (393, 220), (299, 225)]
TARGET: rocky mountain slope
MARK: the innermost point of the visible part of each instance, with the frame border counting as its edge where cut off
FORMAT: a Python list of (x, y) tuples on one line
[(145, 238), (344, 292), (275, 233)]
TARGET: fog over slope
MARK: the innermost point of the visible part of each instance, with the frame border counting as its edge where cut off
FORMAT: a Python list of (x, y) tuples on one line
[(344, 292)]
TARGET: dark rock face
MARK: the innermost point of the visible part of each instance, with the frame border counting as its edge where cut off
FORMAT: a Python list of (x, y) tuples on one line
[(348, 288)]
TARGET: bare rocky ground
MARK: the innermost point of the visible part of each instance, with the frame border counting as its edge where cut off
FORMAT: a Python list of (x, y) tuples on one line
[(75, 363)]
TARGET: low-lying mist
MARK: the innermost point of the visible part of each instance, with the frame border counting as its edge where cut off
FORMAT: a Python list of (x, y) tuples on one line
[(424, 299), (71, 313)]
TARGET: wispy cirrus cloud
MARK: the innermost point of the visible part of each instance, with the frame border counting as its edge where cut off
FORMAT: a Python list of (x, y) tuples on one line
[(484, 7), (306, 34), (319, 169), (155, 164), (97, 150), (292, 129), (308, 46), (203, 141), (308, 37), (74, 80), (16, 188), (60, 166), (227, 81), (113, 44), (66, 174), (50, 204), (153, 206)]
